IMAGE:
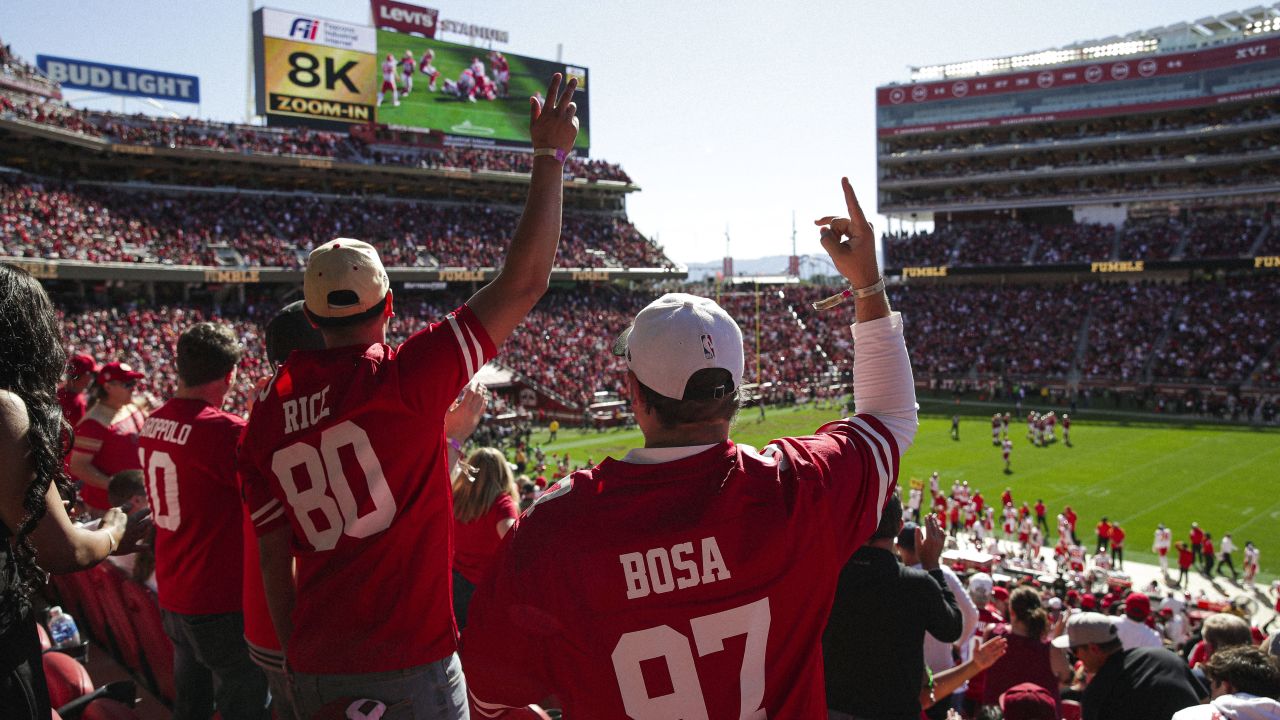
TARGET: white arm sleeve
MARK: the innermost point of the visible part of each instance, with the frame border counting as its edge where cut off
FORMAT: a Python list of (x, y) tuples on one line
[(882, 381)]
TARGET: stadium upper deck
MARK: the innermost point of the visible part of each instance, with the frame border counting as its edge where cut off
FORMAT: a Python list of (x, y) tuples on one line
[(1171, 114)]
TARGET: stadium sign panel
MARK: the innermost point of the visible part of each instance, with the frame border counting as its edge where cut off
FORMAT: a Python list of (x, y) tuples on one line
[(466, 92), (120, 80), (313, 70), (1100, 72), (405, 18)]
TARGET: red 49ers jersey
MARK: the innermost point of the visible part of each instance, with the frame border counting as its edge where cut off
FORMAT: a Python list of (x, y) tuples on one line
[(346, 446), (698, 588), (188, 453)]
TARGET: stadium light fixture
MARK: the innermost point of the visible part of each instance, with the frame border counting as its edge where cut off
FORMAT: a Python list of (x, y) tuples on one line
[(1260, 27), (1202, 30)]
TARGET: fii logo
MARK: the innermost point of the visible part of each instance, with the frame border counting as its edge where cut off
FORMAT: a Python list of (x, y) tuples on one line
[(304, 28)]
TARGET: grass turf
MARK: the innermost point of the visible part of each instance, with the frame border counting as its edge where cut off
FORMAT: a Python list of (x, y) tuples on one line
[(1139, 474)]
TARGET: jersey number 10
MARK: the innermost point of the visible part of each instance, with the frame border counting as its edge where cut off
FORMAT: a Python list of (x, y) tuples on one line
[(329, 493)]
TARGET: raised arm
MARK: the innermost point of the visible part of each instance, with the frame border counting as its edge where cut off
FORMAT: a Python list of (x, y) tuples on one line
[(503, 304), (882, 381)]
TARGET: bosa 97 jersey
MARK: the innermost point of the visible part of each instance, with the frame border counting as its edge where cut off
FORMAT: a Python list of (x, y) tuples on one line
[(346, 446), (699, 591)]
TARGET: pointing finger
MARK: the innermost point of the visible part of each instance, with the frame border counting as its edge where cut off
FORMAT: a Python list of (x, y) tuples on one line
[(858, 221)]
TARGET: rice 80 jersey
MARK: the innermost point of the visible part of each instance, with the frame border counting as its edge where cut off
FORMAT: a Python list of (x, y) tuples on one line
[(346, 446), (697, 590)]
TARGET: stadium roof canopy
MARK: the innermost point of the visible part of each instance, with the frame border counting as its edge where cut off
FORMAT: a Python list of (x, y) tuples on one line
[(1206, 31)]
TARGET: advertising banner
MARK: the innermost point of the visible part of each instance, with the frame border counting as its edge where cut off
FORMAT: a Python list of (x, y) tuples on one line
[(1100, 72), (311, 68), (466, 91), (405, 18), (120, 80)]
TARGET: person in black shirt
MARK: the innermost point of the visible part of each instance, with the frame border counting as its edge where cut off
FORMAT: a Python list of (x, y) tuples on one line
[(1136, 684), (873, 646)]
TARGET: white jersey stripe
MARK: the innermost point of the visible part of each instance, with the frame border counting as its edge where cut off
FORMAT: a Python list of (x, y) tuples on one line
[(480, 359), (878, 446), (488, 709), (462, 344), (258, 513), (279, 511)]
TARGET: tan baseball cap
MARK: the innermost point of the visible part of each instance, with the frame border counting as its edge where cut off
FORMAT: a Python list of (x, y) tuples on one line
[(344, 278), (1087, 628)]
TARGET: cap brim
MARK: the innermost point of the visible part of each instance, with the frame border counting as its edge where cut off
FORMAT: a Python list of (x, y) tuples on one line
[(1062, 642), (620, 342)]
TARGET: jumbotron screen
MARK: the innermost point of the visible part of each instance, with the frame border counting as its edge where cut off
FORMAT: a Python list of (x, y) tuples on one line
[(465, 91)]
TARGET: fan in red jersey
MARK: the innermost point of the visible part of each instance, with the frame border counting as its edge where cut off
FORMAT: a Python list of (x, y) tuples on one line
[(107, 437), (693, 577), (345, 461), (188, 451)]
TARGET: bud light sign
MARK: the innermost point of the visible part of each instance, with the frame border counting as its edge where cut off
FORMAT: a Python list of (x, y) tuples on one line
[(119, 80)]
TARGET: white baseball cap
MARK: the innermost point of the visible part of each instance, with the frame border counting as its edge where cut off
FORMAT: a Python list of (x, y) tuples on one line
[(1088, 628), (344, 277), (677, 335)]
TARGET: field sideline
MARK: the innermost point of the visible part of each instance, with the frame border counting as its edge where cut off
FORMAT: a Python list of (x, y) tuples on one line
[(1137, 473)]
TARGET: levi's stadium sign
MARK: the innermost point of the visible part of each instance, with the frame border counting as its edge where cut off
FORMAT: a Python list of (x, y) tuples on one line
[(405, 18)]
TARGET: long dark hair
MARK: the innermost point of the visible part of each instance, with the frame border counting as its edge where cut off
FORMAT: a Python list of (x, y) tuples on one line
[(31, 362)]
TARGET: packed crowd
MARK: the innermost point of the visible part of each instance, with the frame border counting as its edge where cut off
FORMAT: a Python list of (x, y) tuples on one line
[(67, 221), (1089, 635), (16, 68), (1209, 234)]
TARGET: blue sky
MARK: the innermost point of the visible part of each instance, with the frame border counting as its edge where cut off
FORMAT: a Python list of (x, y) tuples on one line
[(730, 114)]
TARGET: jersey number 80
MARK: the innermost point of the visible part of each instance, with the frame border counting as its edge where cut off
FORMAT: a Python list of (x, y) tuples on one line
[(329, 492)]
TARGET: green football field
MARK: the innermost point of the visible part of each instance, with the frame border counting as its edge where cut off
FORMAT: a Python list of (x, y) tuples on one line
[(501, 119), (1139, 474)]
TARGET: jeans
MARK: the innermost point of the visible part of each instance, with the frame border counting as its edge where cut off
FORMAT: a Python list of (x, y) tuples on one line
[(435, 691), (212, 669)]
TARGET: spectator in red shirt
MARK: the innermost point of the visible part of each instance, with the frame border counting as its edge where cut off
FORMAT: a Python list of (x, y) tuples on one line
[(1117, 546), (1104, 535), (107, 436), (1071, 516), (80, 371), (486, 505), (1041, 520), (1197, 540), (1186, 559), (1206, 554)]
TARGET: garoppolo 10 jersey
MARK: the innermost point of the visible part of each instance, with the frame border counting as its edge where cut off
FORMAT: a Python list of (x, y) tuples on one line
[(346, 446)]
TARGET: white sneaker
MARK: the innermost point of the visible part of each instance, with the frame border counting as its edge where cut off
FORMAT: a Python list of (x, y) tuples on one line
[(395, 104)]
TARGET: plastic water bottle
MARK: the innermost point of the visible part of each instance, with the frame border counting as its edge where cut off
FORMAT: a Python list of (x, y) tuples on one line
[(62, 628)]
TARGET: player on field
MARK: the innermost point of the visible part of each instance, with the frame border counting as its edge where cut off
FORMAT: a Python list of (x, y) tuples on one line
[(1006, 448), (426, 67), (1251, 554), (955, 427), (1162, 542), (995, 429), (1004, 426), (1066, 429), (407, 66), (501, 72), (464, 88), (935, 488), (691, 552), (345, 461), (188, 450), (1010, 524), (389, 81), (477, 66)]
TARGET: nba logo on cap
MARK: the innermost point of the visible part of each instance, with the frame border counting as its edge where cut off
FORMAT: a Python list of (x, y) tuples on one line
[(708, 347)]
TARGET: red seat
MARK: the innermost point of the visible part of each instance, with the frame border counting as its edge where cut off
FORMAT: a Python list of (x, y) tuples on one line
[(95, 615), (108, 709), (157, 649), (119, 619), (45, 643), (1071, 710), (66, 677)]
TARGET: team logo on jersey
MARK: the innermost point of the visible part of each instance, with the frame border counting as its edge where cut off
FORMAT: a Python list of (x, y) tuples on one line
[(708, 347)]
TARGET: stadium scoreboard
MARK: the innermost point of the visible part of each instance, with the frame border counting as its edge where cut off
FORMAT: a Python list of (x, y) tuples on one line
[(321, 72)]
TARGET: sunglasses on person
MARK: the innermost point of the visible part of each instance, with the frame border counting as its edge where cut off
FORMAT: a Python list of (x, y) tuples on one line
[(128, 384)]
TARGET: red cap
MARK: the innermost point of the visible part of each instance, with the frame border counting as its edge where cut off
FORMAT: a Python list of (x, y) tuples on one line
[(1000, 593), (81, 364), (1137, 606), (117, 371), (1028, 701), (1088, 602)]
